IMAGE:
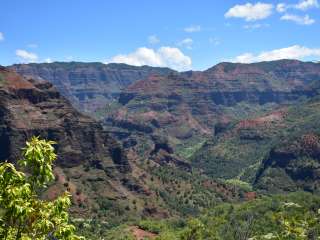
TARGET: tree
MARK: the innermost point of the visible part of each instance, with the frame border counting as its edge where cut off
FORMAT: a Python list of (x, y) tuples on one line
[(194, 231), (23, 215), (295, 224)]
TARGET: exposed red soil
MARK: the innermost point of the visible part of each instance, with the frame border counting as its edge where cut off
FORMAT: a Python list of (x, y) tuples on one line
[(14, 81), (227, 192), (264, 121), (151, 84), (310, 143), (250, 196), (141, 234)]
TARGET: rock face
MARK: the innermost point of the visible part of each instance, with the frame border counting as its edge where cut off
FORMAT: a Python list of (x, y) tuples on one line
[(30, 107), (89, 86), (91, 164), (105, 181), (225, 120), (200, 97), (291, 166), (277, 152), (189, 107)]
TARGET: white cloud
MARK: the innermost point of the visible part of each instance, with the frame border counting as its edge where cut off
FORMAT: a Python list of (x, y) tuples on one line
[(1, 36), (162, 57), (292, 52), (244, 58), (307, 4), (302, 20), (281, 7), (303, 5), (48, 60), (26, 56), (250, 12), (187, 43), (153, 39), (192, 28)]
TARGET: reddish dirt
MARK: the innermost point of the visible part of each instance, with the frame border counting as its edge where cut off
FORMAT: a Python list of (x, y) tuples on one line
[(250, 196), (194, 124), (15, 81), (141, 234), (227, 192), (163, 117), (310, 143), (264, 121), (62, 185), (151, 84)]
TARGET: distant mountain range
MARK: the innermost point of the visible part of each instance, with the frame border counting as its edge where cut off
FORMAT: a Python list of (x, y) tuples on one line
[(181, 137), (89, 86), (106, 180)]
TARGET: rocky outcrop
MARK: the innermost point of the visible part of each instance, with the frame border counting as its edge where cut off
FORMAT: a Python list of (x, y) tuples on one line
[(292, 165), (30, 107), (189, 105), (106, 181), (276, 151), (89, 86), (235, 104), (88, 157), (192, 106)]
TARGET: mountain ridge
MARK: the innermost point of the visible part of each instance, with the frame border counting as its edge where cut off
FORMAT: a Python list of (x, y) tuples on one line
[(182, 111), (105, 180)]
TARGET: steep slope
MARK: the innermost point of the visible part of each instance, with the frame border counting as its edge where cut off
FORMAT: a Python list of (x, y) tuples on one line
[(91, 164), (106, 182), (190, 107), (276, 152), (239, 148), (224, 120), (293, 162), (89, 86)]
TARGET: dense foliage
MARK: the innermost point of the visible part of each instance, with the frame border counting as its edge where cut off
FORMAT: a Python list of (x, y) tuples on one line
[(296, 216), (23, 215), (292, 217), (237, 153)]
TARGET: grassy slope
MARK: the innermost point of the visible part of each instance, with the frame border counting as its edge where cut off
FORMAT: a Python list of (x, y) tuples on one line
[(226, 221), (239, 152)]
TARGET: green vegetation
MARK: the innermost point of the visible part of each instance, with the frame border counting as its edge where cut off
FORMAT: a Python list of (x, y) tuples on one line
[(188, 148), (2, 80), (239, 154), (240, 184), (244, 110), (189, 193), (23, 215), (104, 111), (204, 190), (292, 217)]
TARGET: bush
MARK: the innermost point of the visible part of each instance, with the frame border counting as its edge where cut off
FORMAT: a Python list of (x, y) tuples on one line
[(22, 214)]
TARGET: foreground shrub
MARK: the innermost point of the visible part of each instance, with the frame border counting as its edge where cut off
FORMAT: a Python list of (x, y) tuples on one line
[(23, 215)]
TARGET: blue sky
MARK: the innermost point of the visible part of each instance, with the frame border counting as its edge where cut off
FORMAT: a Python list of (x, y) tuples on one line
[(179, 34)]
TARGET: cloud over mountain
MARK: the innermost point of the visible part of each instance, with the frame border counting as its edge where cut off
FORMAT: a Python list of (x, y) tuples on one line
[(292, 52), (162, 57), (26, 56)]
